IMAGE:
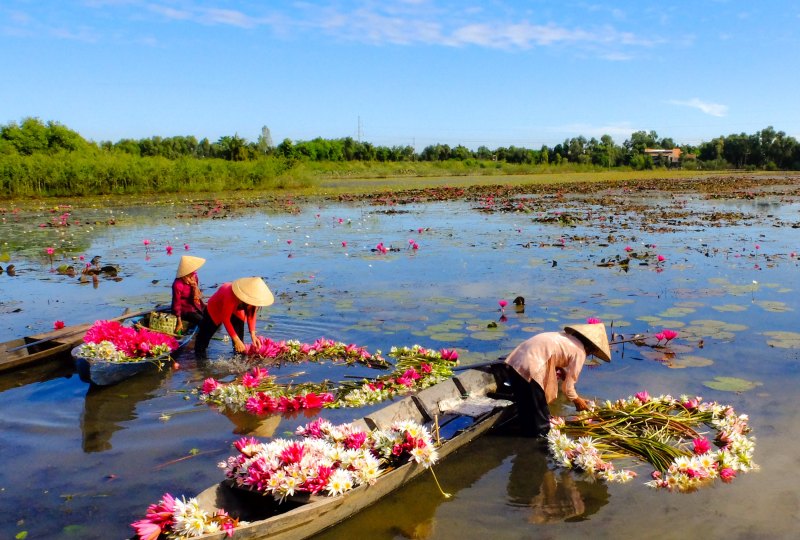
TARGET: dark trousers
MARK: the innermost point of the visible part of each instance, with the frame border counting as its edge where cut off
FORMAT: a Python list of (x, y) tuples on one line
[(206, 330), (534, 413)]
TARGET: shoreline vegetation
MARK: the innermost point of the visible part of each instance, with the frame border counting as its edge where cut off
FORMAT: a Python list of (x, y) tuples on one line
[(39, 161)]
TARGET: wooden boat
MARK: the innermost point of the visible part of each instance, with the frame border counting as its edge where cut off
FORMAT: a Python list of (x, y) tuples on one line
[(105, 373), (476, 411), (45, 346)]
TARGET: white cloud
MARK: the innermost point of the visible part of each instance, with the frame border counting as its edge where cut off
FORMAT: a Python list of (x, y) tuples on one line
[(712, 109)]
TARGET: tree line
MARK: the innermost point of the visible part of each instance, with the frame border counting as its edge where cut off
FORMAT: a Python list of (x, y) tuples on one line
[(39, 157)]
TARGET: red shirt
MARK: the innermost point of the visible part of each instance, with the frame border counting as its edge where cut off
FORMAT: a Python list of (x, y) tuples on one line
[(183, 297), (223, 304)]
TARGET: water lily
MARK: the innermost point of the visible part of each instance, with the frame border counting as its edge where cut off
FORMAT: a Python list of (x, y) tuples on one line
[(169, 250), (593, 320), (503, 304), (58, 325), (661, 258)]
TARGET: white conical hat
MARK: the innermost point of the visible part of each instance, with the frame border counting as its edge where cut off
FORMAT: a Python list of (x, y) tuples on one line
[(594, 334), (253, 291), (188, 265)]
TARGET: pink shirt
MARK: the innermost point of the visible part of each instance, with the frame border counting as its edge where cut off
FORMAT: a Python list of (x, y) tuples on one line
[(223, 304), (537, 358), (183, 297)]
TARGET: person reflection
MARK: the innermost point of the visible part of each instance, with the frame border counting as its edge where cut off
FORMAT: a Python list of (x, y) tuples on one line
[(553, 496)]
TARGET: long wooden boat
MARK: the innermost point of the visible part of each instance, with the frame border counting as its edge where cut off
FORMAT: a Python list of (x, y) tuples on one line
[(477, 410), (52, 345), (105, 373)]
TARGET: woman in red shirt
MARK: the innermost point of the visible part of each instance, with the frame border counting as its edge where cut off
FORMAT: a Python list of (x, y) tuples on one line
[(232, 305), (187, 298)]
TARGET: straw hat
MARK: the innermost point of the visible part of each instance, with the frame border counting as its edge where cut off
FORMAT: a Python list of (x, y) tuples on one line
[(595, 334), (253, 291), (188, 265)]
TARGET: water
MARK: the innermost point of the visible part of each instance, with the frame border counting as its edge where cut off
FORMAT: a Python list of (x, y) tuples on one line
[(83, 462)]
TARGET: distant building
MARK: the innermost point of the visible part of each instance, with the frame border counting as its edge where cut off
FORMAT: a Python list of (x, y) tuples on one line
[(666, 157)]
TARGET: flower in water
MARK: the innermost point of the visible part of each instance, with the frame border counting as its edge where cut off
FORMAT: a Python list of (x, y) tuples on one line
[(50, 251), (659, 336), (344, 244), (727, 475), (661, 258), (593, 320), (186, 247), (146, 242), (169, 250), (669, 334), (758, 247), (628, 249), (503, 304), (414, 246), (58, 325), (81, 258), (289, 242), (420, 230), (701, 445)]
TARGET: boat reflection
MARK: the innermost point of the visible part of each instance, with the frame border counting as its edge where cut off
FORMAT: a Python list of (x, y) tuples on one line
[(106, 409), (37, 373), (480, 483)]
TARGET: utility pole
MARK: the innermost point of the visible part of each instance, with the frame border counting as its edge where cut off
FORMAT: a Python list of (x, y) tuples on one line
[(358, 136)]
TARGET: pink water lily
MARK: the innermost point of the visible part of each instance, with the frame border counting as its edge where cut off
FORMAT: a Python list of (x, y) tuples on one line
[(503, 304), (50, 251), (593, 320), (669, 334), (58, 325), (661, 258), (628, 249), (643, 396), (146, 242), (344, 244), (169, 250)]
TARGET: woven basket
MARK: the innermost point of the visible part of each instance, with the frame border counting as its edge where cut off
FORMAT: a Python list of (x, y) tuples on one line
[(162, 322)]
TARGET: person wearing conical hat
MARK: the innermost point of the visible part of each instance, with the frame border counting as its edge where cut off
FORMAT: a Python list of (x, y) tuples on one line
[(232, 305), (187, 298), (539, 362)]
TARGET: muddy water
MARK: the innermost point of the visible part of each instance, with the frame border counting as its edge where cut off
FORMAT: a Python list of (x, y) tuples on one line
[(83, 462)]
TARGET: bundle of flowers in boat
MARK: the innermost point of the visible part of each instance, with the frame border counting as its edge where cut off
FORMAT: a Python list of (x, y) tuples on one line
[(662, 431), (258, 393), (321, 349), (180, 518), (113, 342), (328, 460), (415, 368)]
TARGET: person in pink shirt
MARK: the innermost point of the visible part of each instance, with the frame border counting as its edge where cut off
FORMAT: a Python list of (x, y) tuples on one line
[(232, 305), (539, 362), (187, 298)]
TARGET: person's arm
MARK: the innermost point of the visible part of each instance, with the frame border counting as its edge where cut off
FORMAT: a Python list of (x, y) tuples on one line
[(176, 303), (568, 387), (252, 313)]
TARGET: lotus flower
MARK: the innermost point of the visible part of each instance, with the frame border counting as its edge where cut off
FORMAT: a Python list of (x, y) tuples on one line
[(669, 334)]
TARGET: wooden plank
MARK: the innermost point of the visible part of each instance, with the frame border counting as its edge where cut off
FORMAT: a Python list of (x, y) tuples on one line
[(474, 381)]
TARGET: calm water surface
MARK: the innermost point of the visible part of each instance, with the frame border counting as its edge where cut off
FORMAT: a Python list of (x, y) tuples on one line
[(81, 462)]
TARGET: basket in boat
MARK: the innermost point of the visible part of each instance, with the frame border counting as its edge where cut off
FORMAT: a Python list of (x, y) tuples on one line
[(162, 322)]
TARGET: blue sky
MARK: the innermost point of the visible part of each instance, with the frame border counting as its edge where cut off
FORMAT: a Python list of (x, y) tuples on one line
[(415, 72)]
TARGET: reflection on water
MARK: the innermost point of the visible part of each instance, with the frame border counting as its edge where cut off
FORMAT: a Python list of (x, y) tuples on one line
[(106, 409), (81, 462), (501, 475)]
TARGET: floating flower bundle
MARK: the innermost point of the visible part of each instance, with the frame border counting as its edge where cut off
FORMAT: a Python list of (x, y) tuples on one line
[(179, 519), (416, 368), (258, 393), (321, 349), (330, 459), (111, 341), (660, 430)]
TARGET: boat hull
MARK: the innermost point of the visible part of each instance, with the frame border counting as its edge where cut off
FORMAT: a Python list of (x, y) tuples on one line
[(308, 516)]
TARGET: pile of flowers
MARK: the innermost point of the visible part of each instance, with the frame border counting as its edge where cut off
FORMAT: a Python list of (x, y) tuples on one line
[(660, 430), (178, 519), (329, 459), (321, 349), (415, 368), (258, 393), (114, 342)]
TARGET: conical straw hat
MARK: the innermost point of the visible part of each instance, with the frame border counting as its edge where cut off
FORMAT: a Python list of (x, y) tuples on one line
[(188, 265), (253, 291), (594, 334)]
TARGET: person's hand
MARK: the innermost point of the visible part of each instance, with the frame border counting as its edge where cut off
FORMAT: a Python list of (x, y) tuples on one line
[(238, 345), (581, 404), (256, 340), (178, 326)]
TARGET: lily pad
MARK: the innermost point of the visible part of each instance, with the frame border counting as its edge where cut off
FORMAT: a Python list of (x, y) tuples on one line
[(488, 335), (689, 360), (731, 384), (730, 308), (783, 340), (773, 306)]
